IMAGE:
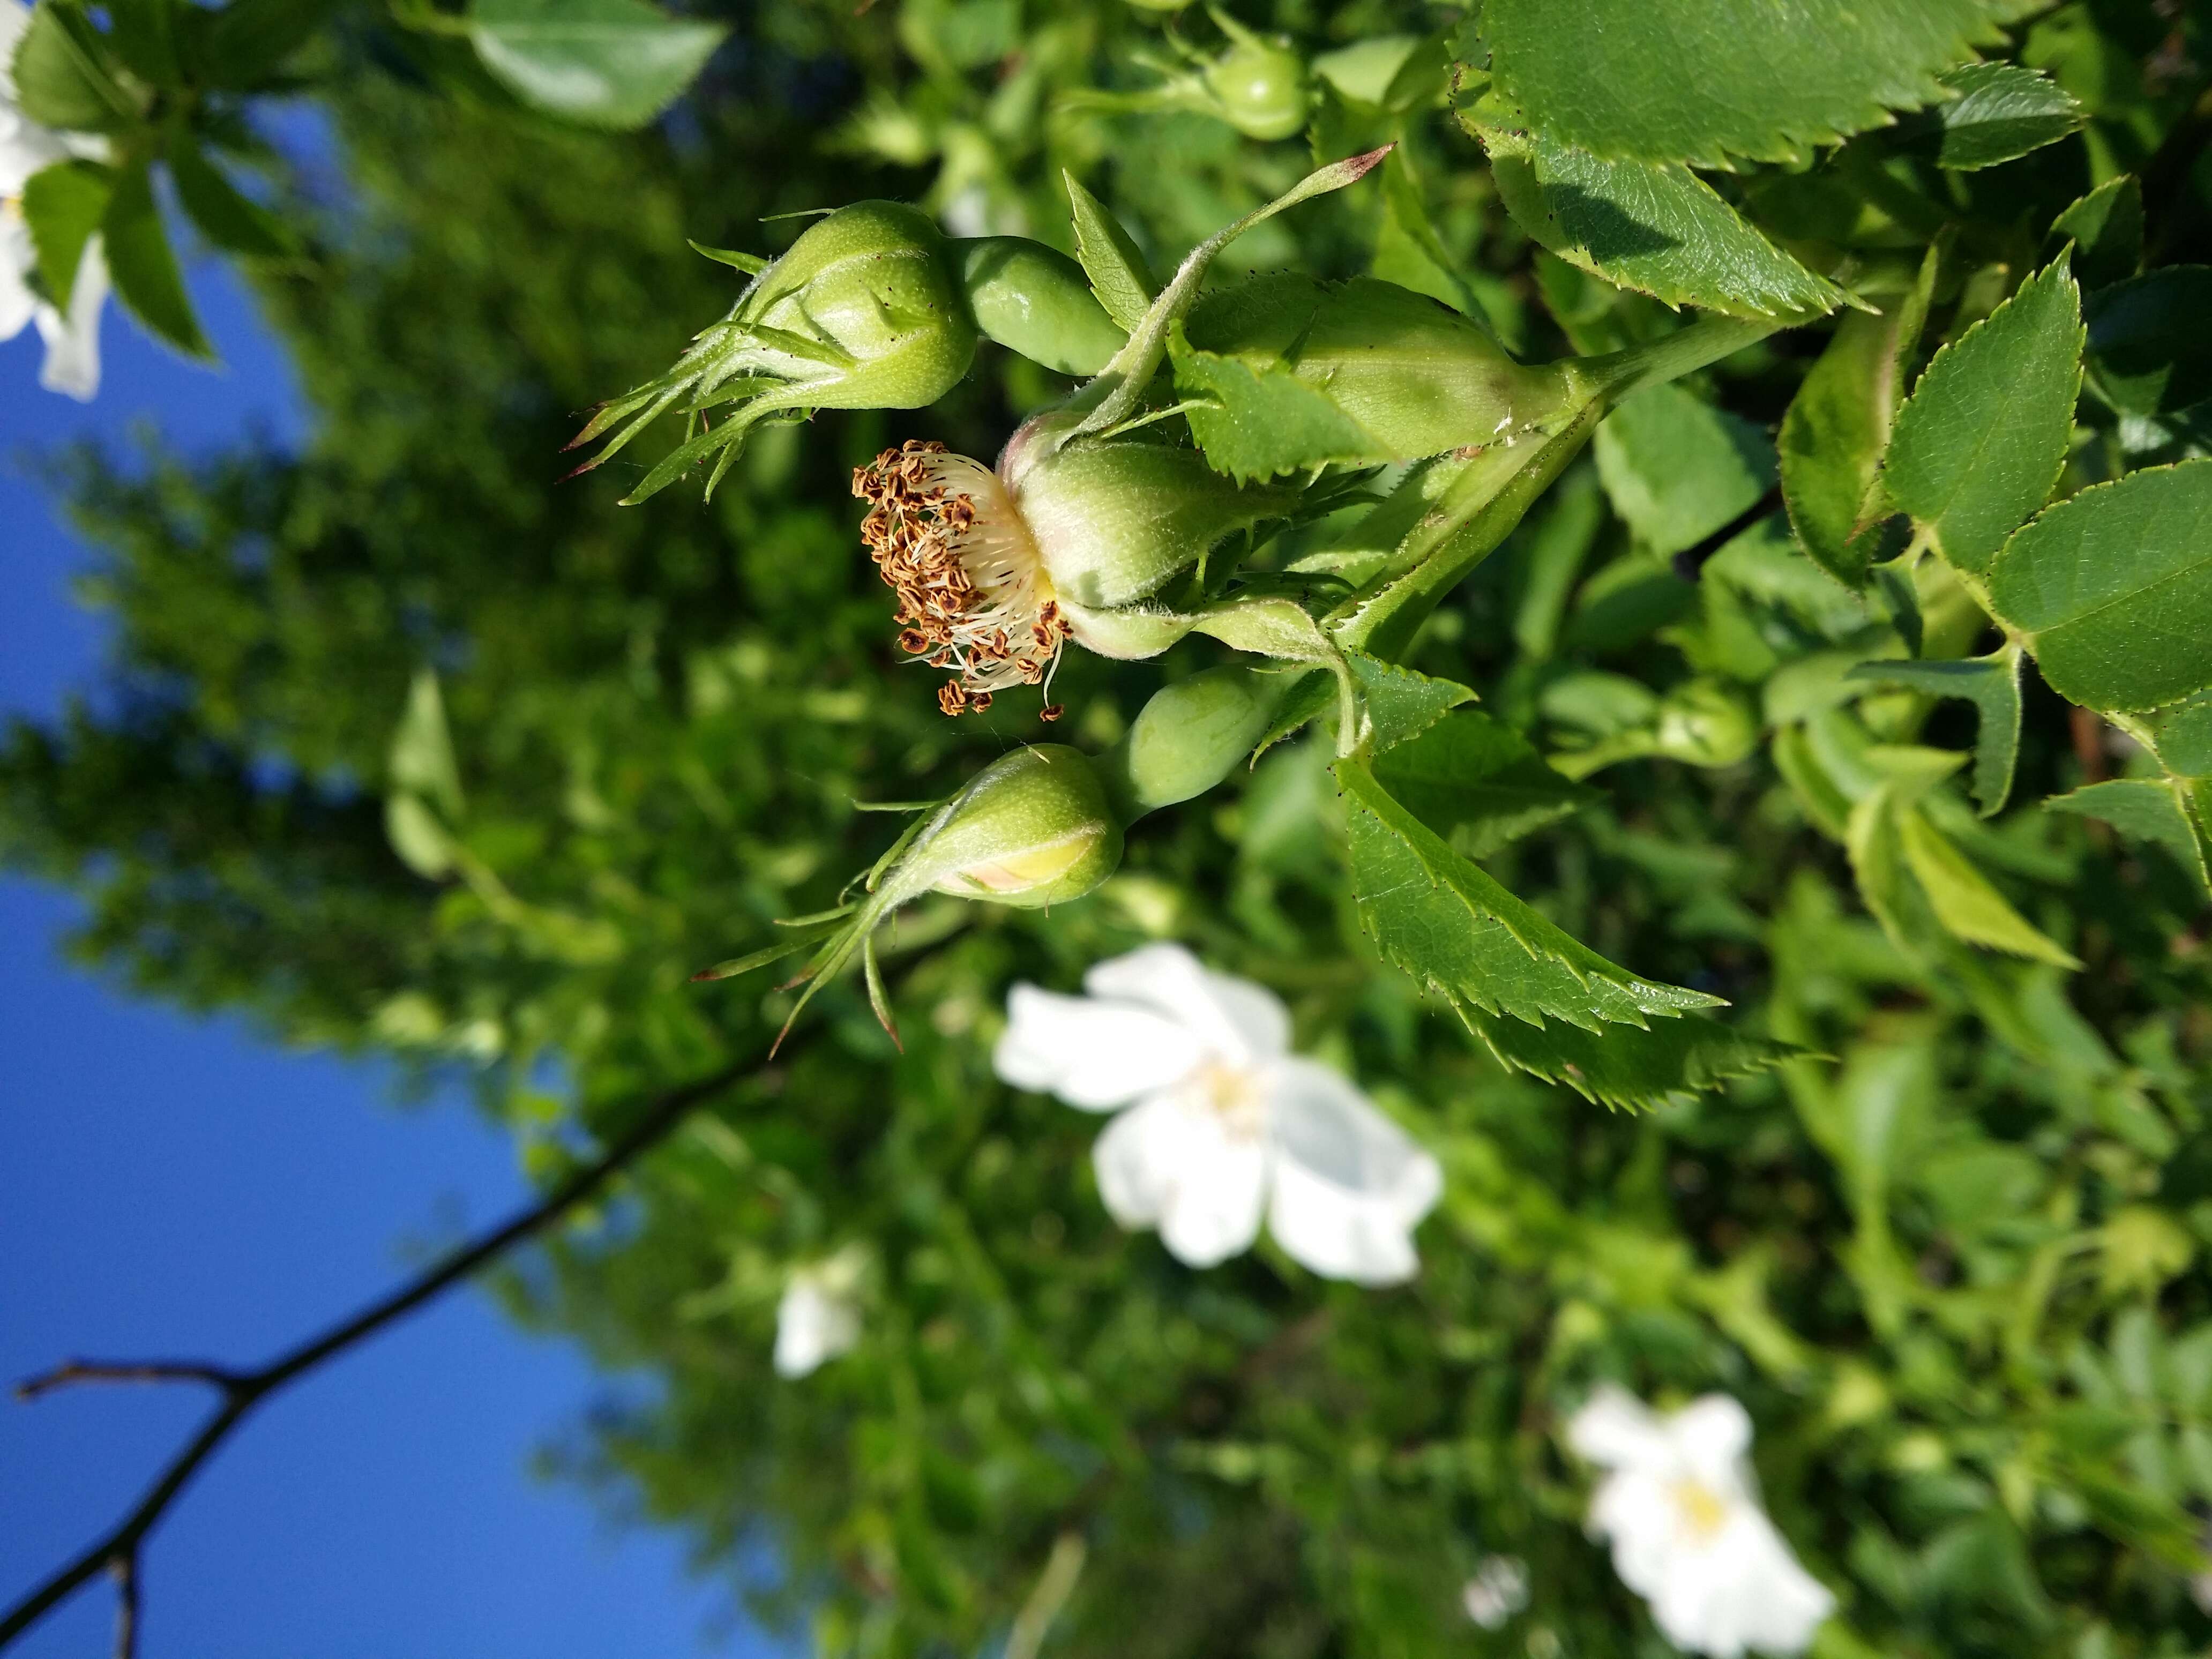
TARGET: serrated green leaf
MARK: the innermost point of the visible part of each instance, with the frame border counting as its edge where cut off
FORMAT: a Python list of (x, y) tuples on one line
[(2150, 347), (614, 63), (2001, 112), (1253, 424), (1706, 81), (1656, 227), (1402, 704), (62, 205), (1991, 683), (143, 34), (1979, 443), (2107, 229), (1450, 925), (62, 78), (143, 266), (2112, 589), (1677, 468), (1627, 1069), (1109, 258), (2151, 810), (1963, 900), (1836, 431), (2183, 734), (1477, 783), (233, 221)]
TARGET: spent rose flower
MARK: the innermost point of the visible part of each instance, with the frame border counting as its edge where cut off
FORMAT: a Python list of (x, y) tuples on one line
[(1687, 1533), (72, 335), (820, 1316), (1223, 1123)]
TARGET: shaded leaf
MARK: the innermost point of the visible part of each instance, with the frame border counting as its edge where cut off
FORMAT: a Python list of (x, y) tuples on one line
[(2142, 808), (246, 44), (600, 63), (1450, 925), (1991, 683), (2112, 589), (230, 220), (1833, 440), (1979, 443), (1677, 468), (1477, 783), (2107, 229), (2001, 112), (1654, 228), (2150, 349), (144, 267), (1629, 1069), (62, 205), (143, 34)]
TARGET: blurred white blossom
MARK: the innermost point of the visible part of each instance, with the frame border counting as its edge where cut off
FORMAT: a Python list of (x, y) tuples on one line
[(1223, 1123), (72, 336), (1498, 1591), (820, 1316), (1687, 1533)]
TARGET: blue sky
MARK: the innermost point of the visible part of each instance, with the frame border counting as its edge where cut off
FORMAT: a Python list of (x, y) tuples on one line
[(172, 1188)]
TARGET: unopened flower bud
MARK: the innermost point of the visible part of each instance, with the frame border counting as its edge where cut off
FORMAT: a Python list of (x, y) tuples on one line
[(1030, 830), (1189, 736), (996, 571), (1414, 376), (1259, 86), (864, 312), (1037, 301)]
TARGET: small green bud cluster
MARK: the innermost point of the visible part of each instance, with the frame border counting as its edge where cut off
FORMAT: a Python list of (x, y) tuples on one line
[(1258, 83)]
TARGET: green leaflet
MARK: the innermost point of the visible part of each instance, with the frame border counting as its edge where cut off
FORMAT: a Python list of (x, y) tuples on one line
[(1962, 898), (2183, 734), (1109, 258), (1477, 783), (2107, 229), (1656, 227), (1991, 683), (232, 221), (1400, 703), (1452, 926), (1627, 1069), (1707, 80), (2143, 809), (1836, 431), (1677, 468), (421, 758), (144, 268), (61, 78), (614, 63), (62, 205), (1979, 443), (2003, 112), (1256, 425), (2112, 590), (2150, 350)]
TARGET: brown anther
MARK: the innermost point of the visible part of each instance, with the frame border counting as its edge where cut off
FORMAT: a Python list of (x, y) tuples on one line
[(1050, 712)]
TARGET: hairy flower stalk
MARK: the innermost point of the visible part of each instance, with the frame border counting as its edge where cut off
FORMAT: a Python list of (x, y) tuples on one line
[(996, 571)]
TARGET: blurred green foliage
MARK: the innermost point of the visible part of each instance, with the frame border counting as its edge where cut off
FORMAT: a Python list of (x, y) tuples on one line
[(407, 748)]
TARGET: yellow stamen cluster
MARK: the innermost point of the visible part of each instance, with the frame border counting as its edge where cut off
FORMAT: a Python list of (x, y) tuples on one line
[(973, 594)]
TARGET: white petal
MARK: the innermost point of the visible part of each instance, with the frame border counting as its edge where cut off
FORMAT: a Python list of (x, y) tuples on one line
[(17, 258), (1350, 1185), (811, 1326), (72, 364), (1239, 1022), (1615, 1430), (1090, 1054), (1175, 1163), (1710, 1435), (1741, 1589)]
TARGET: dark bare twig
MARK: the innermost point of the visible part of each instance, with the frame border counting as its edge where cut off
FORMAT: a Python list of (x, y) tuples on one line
[(117, 1553), (156, 1371)]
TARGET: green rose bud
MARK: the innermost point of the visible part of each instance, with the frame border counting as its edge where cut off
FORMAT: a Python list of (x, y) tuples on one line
[(1259, 86), (1410, 377), (864, 312), (995, 571), (1037, 301), (1189, 736), (1032, 829)]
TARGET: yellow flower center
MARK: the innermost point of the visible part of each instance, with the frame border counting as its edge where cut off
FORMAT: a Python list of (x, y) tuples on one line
[(1232, 1092), (1703, 1511)]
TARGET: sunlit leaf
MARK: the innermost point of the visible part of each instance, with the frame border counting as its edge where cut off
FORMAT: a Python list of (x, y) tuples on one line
[(599, 63)]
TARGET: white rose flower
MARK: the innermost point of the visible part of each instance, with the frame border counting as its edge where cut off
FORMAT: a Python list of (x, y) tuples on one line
[(1498, 1591), (1687, 1533), (1223, 1123), (72, 338), (820, 1316)]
